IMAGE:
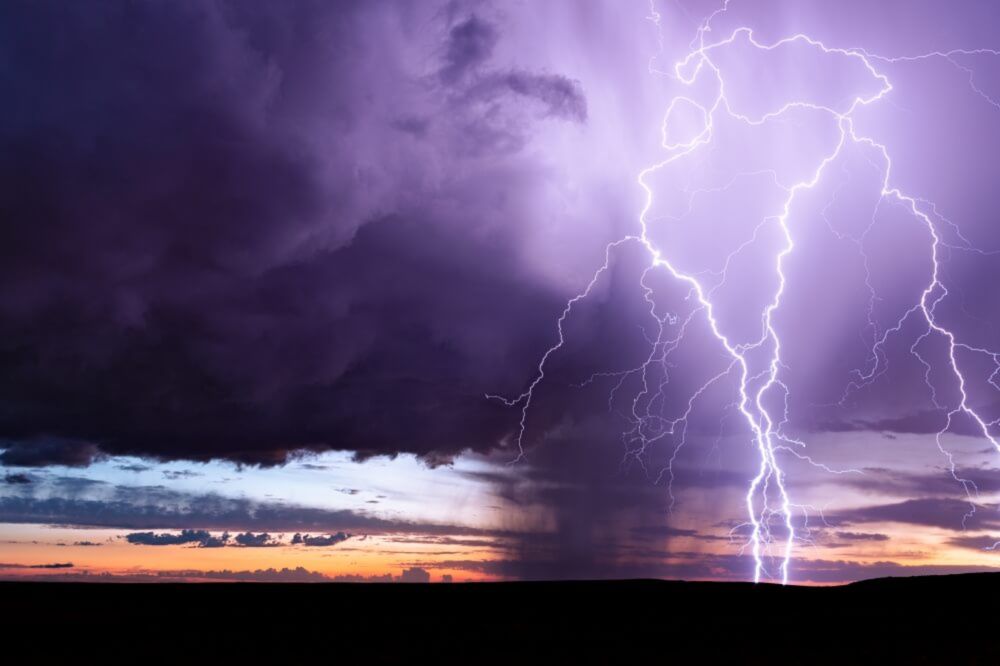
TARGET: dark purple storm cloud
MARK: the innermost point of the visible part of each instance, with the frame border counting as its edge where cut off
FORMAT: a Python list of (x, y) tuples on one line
[(223, 238)]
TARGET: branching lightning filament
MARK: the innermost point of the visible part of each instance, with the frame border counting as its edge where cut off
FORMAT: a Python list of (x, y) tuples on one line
[(756, 367)]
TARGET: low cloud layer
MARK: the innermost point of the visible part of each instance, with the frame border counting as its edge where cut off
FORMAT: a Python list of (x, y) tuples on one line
[(200, 538), (319, 540)]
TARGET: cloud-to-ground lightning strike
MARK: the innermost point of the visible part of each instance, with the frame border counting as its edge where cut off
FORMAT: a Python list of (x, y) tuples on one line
[(769, 507)]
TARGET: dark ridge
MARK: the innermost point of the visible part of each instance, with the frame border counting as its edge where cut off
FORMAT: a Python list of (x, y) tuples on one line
[(926, 620)]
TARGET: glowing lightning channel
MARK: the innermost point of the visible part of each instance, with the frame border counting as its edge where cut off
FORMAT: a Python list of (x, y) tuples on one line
[(756, 385)]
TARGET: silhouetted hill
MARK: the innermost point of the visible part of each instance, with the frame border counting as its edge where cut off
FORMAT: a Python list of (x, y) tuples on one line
[(926, 620)]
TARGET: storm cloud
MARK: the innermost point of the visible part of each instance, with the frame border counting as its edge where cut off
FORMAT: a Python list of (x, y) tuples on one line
[(190, 273)]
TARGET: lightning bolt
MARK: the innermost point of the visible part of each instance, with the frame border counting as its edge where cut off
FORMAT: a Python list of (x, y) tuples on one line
[(756, 366)]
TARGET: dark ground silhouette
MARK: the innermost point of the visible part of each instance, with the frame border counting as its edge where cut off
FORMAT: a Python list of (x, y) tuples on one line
[(928, 620)]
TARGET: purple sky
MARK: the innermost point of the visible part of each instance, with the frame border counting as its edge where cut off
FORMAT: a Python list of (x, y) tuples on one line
[(292, 248)]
